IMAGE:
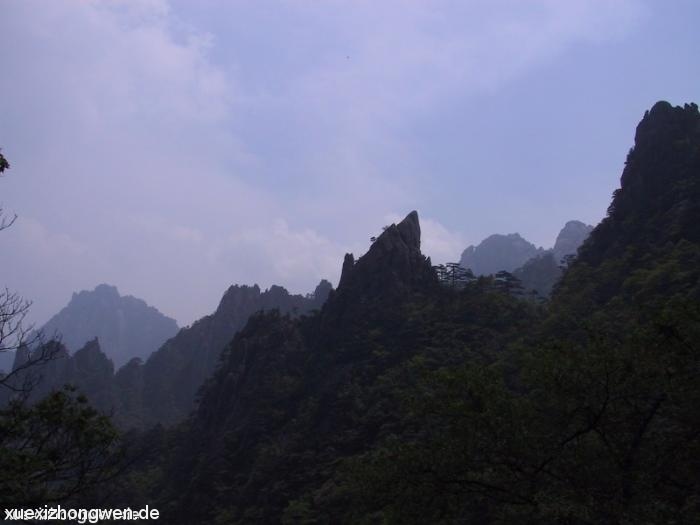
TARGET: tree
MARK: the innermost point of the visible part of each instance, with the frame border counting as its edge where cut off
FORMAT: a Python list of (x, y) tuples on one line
[(54, 450), (454, 275), (31, 350), (507, 282)]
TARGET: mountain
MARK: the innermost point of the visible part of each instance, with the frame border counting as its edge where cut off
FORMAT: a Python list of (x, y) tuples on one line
[(538, 269), (498, 252), (570, 238), (646, 250), (543, 271), (126, 326), (403, 401)]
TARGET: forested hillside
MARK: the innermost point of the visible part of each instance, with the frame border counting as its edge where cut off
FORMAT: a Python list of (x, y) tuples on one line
[(406, 401)]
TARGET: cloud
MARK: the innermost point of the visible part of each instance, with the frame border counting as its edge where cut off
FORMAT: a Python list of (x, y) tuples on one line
[(172, 161), (277, 253), (441, 244)]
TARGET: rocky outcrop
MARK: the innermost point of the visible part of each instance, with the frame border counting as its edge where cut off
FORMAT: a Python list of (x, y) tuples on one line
[(570, 238), (126, 326), (393, 265)]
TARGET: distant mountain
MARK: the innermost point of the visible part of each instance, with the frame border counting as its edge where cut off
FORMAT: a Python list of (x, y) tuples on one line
[(570, 238), (499, 252), (543, 271), (126, 326)]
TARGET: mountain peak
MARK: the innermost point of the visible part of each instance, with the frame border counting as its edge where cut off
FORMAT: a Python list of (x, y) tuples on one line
[(106, 290), (409, 230), (402, 236), (657, 201), (659, 168), (393, 263), (126, 326), (570, 238), (499, 252)]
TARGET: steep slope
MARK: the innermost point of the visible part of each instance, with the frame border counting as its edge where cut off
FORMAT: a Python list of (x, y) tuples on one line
[(647, 247), (498, 252), (126, 326)]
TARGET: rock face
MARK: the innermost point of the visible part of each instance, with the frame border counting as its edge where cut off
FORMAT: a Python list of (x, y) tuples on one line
[(126, 326), (393, 264), (499, 252), (570, 238)]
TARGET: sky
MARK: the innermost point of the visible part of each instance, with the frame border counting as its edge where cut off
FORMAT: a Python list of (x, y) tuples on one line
[(173, 148)]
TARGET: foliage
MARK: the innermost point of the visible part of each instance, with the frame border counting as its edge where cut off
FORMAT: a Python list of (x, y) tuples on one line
[(54, 450)]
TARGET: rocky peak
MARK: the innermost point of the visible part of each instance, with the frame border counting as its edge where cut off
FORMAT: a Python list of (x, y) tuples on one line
[(657, 202), (663, 122), (393, 264), (126, 326), (237, 297), (106, 290), (91, 358), (570, 238), (665, 147), (321, 293)]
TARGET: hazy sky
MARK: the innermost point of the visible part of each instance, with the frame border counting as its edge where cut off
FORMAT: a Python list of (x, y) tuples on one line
[(175, 148)]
